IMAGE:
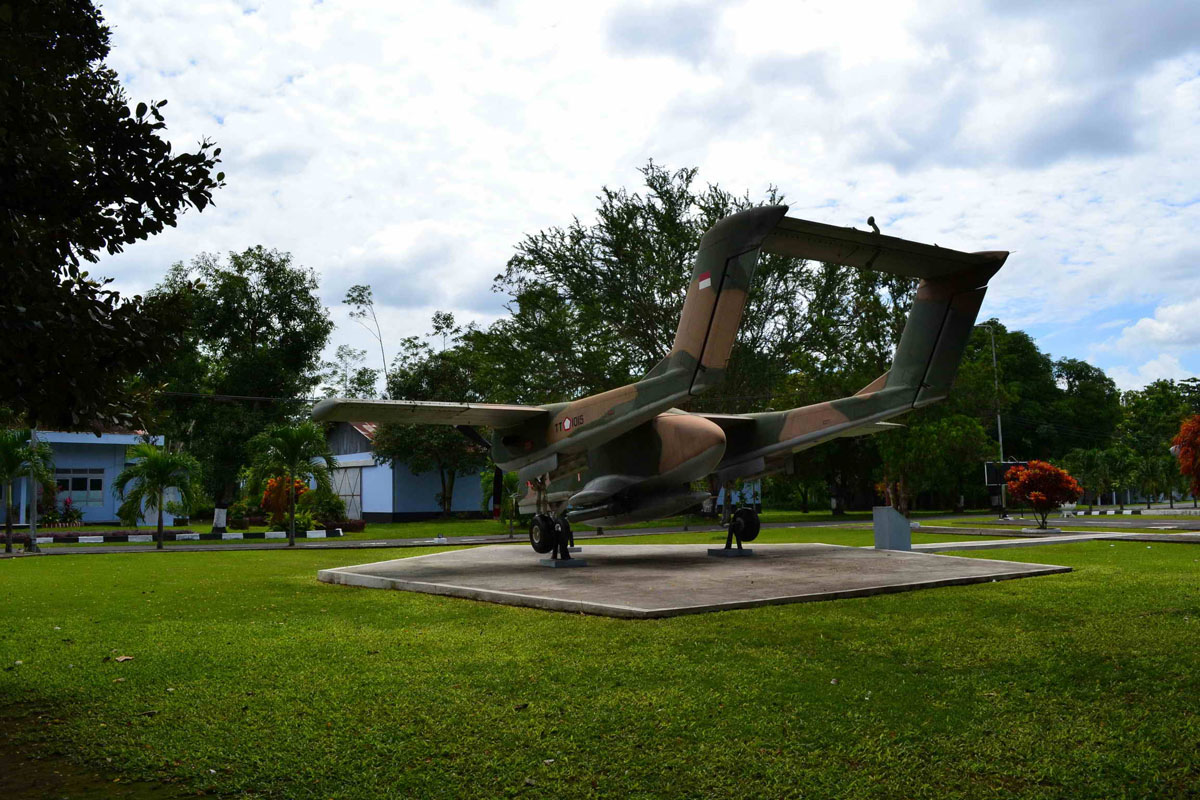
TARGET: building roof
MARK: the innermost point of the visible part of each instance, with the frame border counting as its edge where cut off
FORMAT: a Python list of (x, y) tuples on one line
[(367, 429)]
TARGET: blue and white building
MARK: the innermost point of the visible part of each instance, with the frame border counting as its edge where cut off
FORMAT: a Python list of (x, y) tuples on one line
[(387, 493), (85, 467)]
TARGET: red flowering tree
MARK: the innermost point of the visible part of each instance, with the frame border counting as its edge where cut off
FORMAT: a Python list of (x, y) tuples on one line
[(1043, 486), (275, 497), (1187, 449)]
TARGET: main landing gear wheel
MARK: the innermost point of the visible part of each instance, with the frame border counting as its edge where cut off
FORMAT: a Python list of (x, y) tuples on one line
[(745, 525), (542, 533)]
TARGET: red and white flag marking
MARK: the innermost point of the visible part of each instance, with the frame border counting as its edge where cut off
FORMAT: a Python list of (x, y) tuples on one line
[(705, 280)]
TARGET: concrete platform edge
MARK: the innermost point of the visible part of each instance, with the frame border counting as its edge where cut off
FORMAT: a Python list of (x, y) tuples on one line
[(346, 576)]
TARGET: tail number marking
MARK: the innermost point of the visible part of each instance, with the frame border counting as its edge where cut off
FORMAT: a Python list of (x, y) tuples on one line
[(567, 423)]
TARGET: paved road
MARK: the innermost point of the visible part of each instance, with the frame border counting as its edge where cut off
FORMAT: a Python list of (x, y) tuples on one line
[(1114, 521), (1027, 540), (1037, 541), (360, 544)]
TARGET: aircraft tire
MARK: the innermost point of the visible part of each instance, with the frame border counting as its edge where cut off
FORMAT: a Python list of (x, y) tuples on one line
[(745, 525), (542, 536)]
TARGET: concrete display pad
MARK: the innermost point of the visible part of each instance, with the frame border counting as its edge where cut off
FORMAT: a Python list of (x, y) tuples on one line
[(648, 581)]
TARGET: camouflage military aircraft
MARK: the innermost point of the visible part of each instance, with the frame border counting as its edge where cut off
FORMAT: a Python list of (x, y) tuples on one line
[(631, 454)]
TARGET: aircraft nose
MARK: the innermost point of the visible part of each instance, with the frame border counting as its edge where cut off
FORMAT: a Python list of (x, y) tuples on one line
[(692, 443)]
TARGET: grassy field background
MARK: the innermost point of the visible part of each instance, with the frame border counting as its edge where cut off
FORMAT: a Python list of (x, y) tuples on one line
[(249, 677)]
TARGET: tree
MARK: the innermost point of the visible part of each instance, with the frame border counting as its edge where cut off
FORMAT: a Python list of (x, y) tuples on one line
[(1089, 468), (19, 456), (908, 466), (1089, 406), (1152, 416), (1186, 445), (596, 305), (346, 377), (424, 448), (1189, 388), (293, 452), (1152, 474), (255, 333), (506, 509), (1043, 486), (361, 300), (80, 173), (1119, 462), (153, 473), (960, 445)]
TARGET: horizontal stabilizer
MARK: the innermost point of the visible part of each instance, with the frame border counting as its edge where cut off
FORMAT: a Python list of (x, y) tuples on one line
[(799, 238), (419, 412)]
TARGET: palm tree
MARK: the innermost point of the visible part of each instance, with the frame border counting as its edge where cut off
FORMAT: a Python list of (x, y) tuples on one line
[(296, 452), (154, 472), (19, 457), (1119, 463)]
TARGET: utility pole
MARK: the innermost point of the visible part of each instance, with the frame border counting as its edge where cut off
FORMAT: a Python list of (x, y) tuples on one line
[(999, 427), (32, 547)]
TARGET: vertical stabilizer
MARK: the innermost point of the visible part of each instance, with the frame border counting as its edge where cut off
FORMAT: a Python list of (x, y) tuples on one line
[(716, 297), (936, 333)]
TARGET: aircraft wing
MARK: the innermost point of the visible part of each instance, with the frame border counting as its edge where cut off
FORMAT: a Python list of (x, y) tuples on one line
[(420, 412), (868, 429)]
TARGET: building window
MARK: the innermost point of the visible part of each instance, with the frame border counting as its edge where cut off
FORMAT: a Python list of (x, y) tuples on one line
[(84, 486)]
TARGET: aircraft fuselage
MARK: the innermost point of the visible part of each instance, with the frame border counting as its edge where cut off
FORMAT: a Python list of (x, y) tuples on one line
[(641, 474)]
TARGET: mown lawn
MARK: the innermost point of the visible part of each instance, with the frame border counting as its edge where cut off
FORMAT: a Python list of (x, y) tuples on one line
[(251, 678)]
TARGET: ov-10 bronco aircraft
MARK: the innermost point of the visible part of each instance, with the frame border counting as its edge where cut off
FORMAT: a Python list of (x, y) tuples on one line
[(630, 454)]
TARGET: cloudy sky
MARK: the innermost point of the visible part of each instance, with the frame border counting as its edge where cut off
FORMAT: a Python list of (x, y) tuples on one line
[(411, 145)]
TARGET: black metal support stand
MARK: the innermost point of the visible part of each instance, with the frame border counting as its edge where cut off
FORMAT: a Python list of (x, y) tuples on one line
[(561, 555), (728, 550)]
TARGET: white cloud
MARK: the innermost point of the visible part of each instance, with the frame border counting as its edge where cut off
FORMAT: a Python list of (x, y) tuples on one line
[(1174, 326), (1161, 367), (412, 145)]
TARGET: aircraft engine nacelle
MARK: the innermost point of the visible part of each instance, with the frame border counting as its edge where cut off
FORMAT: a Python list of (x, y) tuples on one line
[(639, 507), (689, 446)]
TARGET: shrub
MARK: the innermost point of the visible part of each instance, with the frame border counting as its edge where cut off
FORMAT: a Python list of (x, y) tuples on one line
[(304, 522), (275, 498), (1187, 450), (323, 505), (70, 514), (1043, 486)]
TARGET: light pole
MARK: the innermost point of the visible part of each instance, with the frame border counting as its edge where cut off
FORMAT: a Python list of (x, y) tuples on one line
[(32, 546), (999, 428)]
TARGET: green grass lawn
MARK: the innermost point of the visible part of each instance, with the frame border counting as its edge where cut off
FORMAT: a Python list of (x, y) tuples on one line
[(251, 678)]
